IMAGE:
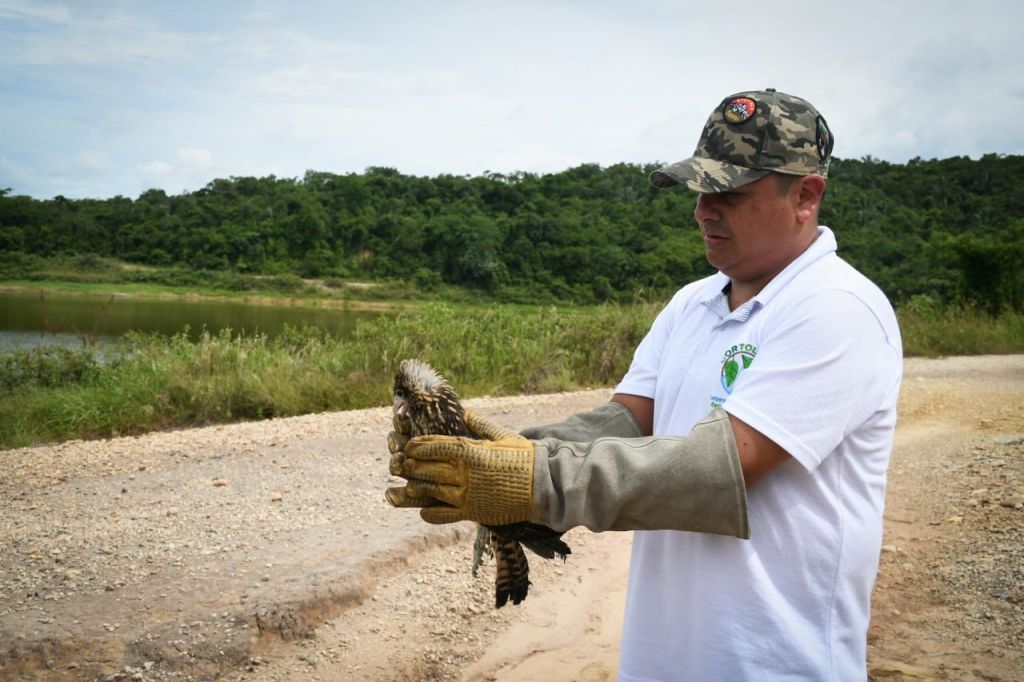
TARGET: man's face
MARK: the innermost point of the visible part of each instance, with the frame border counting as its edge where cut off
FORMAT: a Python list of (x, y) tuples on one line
[(753, 232)]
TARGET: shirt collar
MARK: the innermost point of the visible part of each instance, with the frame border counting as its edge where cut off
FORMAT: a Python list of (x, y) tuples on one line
[(717, 297), (823, 245)]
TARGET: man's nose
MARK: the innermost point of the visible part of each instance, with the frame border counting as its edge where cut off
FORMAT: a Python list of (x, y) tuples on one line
[(706, 208)]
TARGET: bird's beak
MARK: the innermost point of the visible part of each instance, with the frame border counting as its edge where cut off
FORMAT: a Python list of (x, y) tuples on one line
[(400, 407)]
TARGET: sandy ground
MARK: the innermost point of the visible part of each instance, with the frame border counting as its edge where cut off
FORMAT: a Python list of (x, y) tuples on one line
[(265, 552)]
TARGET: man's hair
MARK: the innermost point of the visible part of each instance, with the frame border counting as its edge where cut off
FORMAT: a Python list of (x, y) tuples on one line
[(783, 181)]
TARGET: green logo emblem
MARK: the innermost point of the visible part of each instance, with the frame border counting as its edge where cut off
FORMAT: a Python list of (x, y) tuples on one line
[(737, 358)]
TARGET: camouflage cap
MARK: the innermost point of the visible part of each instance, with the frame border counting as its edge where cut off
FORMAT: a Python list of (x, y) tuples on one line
[(748, 136)]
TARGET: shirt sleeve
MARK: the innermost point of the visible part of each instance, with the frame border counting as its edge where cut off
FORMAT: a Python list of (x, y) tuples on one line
[(818, 376), (642, 377)]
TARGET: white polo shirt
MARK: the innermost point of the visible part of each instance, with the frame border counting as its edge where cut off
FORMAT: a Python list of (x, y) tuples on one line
[(813, 362)]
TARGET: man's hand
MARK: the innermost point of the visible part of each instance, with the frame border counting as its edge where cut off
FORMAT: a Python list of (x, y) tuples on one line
[(396, 443), (397, 439), (488, 480), (692, 483), (482, 429)]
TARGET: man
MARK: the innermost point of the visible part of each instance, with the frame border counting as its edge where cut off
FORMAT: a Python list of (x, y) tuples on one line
[(759, 530)]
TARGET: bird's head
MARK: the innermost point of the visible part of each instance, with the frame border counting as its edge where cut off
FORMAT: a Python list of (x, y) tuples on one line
[(417, 383), (425, 403)]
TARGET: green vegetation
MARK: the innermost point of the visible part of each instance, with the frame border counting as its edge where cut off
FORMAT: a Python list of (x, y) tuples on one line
[(50, 394), (943, 238), (150, 383), (100, 274), (931, 330), (950, 229)]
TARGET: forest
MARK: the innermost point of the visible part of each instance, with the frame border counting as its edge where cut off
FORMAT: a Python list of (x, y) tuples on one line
[(947, 231)]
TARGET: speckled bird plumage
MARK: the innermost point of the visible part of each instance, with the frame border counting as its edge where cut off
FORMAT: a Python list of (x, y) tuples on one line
[(432, 407)]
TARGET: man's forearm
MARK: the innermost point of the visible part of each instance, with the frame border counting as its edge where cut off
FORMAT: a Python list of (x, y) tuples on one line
[(692, 482)]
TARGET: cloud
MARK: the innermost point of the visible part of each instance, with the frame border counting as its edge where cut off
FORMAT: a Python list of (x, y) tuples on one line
[(14, 177), (25, 10), (156, 168), (941, 98), (304, 82), (91, 161), (937, 61), (197, 158), (118, 98)]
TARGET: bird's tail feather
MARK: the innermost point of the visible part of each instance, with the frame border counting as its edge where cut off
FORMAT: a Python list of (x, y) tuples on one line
[(548, 548), (513, 571), (539, 539)]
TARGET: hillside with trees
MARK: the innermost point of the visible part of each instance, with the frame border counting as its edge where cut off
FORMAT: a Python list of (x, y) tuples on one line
[(951, 230)]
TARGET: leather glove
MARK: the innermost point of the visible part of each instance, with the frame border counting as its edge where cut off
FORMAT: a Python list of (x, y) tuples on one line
[(487, 481), (609, 419), (692, 482), (413, 494)]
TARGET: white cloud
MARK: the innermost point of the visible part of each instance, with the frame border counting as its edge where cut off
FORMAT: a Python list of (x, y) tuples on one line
[(34, 11), (156, 168), (104, 97), (98, 46), (91, 161), (197, 158), (306, 82), (15, 178)]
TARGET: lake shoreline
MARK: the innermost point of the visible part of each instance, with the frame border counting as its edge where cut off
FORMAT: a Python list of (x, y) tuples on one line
[(263, 298), (42, 315)]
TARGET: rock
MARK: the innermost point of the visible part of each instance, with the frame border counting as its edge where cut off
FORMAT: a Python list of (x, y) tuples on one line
[(893, 670), (1013, 502)]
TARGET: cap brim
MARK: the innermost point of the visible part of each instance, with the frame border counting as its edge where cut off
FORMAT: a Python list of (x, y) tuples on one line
[(705, 175)]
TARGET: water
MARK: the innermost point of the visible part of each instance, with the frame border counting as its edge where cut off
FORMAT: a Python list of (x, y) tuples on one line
[(32, 318)]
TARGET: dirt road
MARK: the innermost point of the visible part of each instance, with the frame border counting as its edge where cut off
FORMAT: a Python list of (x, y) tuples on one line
[(265, 551)]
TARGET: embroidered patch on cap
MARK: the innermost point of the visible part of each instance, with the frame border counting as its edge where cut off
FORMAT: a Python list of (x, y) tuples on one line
[(825, 140), (739, 110)]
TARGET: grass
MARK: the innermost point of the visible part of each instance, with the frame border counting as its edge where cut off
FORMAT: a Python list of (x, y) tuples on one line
[(311, 292), (153, 383), (931, 331), (88, 273), (98, 274)]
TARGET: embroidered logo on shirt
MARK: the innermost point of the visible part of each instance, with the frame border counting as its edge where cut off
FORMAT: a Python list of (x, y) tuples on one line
[(737, 358)]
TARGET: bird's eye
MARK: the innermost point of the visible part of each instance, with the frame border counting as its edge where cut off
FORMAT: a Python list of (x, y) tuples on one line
[(399, 393)]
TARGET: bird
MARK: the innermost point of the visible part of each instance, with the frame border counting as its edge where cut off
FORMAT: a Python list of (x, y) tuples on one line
[(425, 401)]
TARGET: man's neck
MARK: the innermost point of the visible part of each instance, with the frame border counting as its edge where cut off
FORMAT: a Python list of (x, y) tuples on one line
[(741, 292)]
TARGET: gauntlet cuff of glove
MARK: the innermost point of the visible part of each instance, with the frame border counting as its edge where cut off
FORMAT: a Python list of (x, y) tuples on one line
[(610, 419), (692, 483)]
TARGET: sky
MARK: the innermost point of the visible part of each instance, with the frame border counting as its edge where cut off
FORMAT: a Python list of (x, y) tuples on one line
[(103, 98)]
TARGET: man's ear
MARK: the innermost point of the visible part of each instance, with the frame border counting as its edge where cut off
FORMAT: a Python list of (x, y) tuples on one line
[(809, 191)]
